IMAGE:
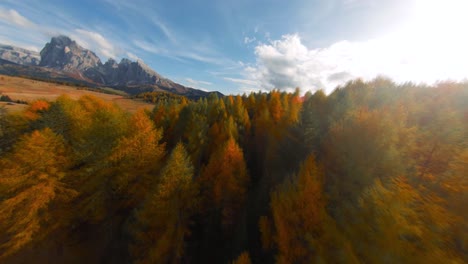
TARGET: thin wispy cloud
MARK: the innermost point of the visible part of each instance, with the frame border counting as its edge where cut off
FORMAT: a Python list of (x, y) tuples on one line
[(96, 42), (165, 29), (146, 46), (197, 82), (201, 58), (13, 17), (181, 55), (241, 81), (175, 43)]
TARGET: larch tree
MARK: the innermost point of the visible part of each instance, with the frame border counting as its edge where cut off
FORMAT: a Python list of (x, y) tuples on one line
[(196, 135), (315, 115), (275, 107), (299, 228), (297, 209), (225, 180), (31, 187), (162, 223), (397, 223), (360, 148), (136, 159)]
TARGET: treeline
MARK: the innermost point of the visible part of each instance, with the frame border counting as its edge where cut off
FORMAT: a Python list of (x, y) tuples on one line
[(160, 97), (6, 98), (375, 172)]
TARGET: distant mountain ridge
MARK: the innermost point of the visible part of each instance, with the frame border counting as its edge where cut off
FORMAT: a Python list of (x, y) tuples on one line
[(19, 55), (65, 57)]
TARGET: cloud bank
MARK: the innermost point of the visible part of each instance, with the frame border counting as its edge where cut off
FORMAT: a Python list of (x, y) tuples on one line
[(287, 63)]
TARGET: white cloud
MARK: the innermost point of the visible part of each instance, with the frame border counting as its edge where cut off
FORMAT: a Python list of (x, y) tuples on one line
[(13, 17), (95, 42), (248, 40), (287, 63)]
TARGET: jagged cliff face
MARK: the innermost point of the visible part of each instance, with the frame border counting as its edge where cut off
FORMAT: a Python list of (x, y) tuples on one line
[(19, 55), (129, 73), (62, 53)]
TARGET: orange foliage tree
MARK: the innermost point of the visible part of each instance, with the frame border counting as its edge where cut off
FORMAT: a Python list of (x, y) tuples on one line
[(163, 220), (31, 187), (136, 159), (298, 212), (225, 181)]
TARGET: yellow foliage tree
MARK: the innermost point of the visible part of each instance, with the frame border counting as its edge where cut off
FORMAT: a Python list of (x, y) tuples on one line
[(397, 223), (300, 229), (31, 182), (298, 212), (225, 179), (136, 158), (163, 221), (275, 106)]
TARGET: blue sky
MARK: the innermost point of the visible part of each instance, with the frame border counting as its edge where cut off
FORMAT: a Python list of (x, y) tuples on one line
[(241, 46)]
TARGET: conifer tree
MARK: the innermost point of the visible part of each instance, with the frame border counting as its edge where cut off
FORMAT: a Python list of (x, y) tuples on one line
[(225, 180), (163, 221), (136, 158), (31, 185)]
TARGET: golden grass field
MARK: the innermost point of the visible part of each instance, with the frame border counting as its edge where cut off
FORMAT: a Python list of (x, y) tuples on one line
[(18, 88)]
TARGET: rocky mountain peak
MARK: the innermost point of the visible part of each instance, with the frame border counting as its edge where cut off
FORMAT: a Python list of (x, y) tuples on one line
[(125, 61), (65, 54), (111, 61), (111, 64), (62, 41)]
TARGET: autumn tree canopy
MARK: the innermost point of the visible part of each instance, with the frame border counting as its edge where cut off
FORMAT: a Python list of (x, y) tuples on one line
[(374, 172)]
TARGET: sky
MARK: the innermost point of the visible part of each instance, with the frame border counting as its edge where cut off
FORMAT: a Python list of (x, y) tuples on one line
[(241, 46)]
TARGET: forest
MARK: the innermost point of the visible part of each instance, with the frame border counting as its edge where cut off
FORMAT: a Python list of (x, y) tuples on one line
[(374, 172)]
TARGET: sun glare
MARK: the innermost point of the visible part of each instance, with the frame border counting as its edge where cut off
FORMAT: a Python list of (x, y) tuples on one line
[(435, 36), (430, 47), (442, 18)]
